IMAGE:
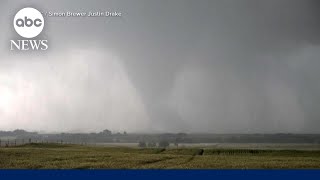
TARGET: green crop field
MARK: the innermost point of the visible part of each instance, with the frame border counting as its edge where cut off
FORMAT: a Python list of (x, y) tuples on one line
[(56, 156)]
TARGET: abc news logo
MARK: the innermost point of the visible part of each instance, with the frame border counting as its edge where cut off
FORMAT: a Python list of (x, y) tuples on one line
[(28, 23)]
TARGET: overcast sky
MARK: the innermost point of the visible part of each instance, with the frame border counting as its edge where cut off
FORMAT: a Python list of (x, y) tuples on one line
[(231, 66)]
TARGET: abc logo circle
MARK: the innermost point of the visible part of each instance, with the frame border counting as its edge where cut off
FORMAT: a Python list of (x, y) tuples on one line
[(28, 22)]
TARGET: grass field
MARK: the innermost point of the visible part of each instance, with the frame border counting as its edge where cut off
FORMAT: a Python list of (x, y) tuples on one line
[(57, 156)]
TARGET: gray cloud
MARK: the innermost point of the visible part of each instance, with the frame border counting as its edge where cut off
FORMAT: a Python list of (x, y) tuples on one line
[(194, 66)]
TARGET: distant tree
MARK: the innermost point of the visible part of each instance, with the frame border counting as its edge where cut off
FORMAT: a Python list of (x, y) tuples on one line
[(20, 132), (142, 144), (152, 144), (125, 133), (164, 144), (106, 132), (118, 134)]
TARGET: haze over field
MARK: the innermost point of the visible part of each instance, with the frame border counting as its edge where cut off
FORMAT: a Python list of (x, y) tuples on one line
[(231, 66)]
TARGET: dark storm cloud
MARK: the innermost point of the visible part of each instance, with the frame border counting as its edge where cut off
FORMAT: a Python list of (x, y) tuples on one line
[(209, 66)]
